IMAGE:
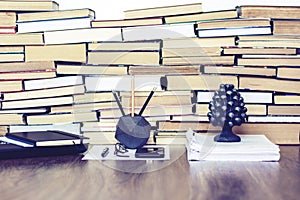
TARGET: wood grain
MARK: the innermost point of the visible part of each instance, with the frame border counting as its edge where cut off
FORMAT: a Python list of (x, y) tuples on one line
[(68, 177)]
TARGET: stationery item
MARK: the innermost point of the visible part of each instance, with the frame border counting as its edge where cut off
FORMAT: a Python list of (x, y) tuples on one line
[(47, 138), (12, 151), (95, 152)]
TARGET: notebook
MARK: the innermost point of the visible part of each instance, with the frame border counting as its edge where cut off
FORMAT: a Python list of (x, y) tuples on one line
[(45, 138)]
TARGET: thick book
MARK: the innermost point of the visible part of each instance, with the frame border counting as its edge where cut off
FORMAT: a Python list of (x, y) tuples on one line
[(239, 70), (75, 53), (47, 138), (22, 39), (24, 66), (8, 19), (58, 14), (83, 35), (7, 29), (126, 22), (286, 26), (260, 11), (53, 25), (164, 31), (11, 151), (28, 6), (163, 11), (251, 148)]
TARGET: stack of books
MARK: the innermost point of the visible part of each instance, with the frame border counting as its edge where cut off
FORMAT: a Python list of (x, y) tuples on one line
[(59, 68), (251, 148), (41, 143)]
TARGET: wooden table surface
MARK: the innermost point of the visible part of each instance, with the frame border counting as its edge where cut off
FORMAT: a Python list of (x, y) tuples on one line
[(68, 177)]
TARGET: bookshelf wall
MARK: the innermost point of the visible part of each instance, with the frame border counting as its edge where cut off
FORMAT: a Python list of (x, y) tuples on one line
[(58, 68)]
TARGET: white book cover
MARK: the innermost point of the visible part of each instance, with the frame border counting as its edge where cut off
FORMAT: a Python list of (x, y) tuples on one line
[(234, 31), (288, 119), (122, 83), (52, 25), (251, 148), (159, 32), (249, 97), (52, 82), (83, 35)]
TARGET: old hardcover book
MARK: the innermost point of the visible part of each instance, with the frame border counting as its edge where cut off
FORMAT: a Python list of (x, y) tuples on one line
[(239, 70), (27, 66), (258, 51), (191, 51), (161, 100), (88, 69), (171, 125), (22, 39), (154, 45), (140, 33), (269, 84), (43, 102), (54, 25), (202, 16), (7, 29), (233, 23), (58, 14), (163, 11), (192, 42), (253, 109), (61, 118), (286, 27), (11, 57), (278, 133), (76, 53), (11, 118), (193, 82), (199, 60), (8, 19), (261, 11), (163, 70), (28, 75), (286, 99), (84, 107), (269, 61), (47, 138), (288, 73), (11, 85), (93, 97), (284, 110), (83, 35), (269, 41), (28, 5), (44, 93), (52, 82), (127, 22), (123, 58)]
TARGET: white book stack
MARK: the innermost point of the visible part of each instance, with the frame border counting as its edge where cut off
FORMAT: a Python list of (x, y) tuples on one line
[(201, 147)]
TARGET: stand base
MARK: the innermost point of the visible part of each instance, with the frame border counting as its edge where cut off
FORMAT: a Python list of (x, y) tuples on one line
[(231, 138)]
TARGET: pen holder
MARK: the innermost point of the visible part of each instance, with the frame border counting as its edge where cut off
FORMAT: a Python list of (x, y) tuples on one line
[(133, 131)]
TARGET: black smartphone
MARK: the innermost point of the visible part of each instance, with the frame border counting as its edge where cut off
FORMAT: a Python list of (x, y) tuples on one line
[(150, 152)]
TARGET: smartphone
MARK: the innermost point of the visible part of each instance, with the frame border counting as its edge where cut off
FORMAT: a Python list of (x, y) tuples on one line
[(150, 152)]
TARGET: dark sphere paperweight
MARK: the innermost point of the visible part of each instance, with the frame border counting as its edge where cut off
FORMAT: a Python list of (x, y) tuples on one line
[(227, 109)]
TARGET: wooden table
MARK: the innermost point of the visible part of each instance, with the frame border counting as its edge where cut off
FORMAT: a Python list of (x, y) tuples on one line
[(68, 177)]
